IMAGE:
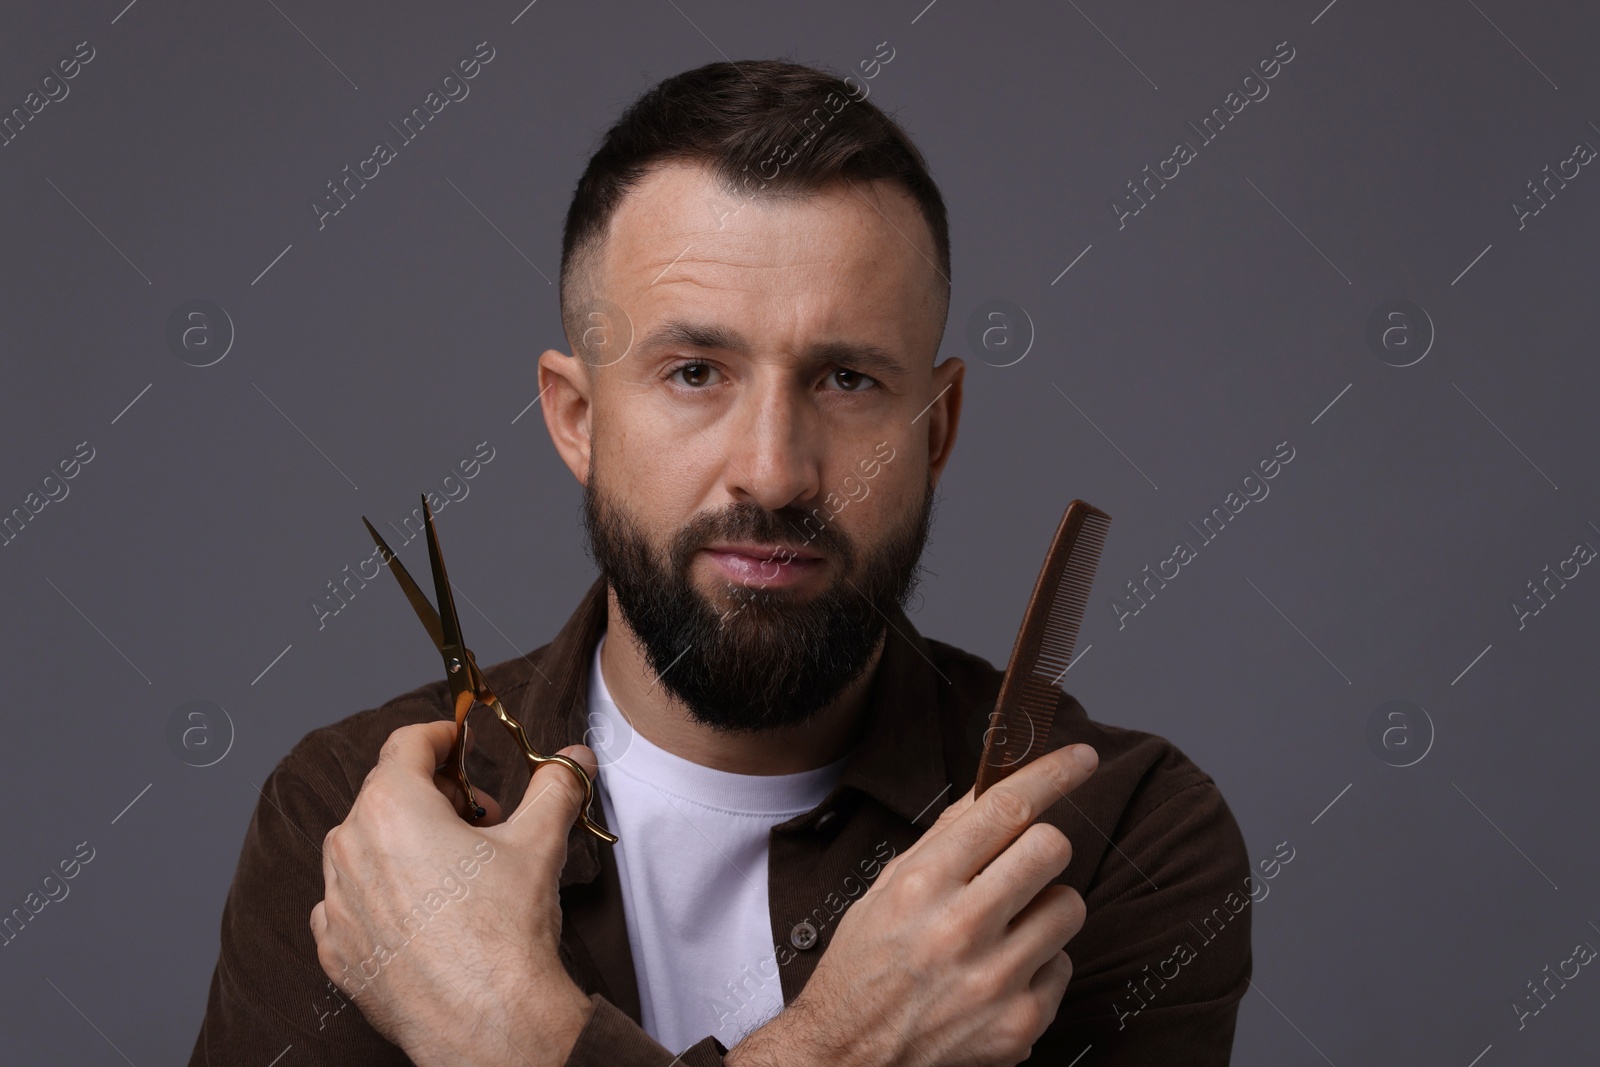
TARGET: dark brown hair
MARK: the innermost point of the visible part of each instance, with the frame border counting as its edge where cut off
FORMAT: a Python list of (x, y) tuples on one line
[(765, 126)]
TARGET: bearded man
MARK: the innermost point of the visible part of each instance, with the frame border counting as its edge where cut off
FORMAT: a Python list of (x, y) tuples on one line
[(754, 285)]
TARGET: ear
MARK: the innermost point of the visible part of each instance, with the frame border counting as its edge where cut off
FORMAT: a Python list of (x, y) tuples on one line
[(566, 387), (945, 414)]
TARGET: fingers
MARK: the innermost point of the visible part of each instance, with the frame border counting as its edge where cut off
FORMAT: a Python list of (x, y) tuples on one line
[(994, 820), (953, 812), (946, 817), (445, 780), (330, 872), (423, 750), (1049, 983), (585, 756), (552, 802), (446, 783), (1051, 920), (416, 749), (1005, 888)]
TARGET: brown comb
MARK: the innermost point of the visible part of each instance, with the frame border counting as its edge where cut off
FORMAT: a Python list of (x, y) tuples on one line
[(1026, 707)]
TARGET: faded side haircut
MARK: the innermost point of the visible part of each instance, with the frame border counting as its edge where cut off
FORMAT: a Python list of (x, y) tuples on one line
[(765, 128)]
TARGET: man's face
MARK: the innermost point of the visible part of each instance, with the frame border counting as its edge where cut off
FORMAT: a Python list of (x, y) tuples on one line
[(760, 442)]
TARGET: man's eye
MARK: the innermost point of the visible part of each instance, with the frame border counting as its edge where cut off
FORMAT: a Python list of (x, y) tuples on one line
[(851, 381), (694, 375)]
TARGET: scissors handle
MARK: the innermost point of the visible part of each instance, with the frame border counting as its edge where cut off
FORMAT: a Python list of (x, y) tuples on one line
[(456, 761), (535, 761)]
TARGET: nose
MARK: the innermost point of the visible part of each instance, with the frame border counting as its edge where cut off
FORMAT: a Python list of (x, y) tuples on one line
[(775, 446)]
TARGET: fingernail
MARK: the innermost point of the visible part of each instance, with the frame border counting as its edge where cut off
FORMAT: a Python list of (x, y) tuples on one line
[(1086, 757)]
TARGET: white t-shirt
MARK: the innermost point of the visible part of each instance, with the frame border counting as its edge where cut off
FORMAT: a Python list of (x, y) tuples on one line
[(692, 858)]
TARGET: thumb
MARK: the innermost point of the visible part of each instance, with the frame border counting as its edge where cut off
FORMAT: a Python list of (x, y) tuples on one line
[(554, 799)]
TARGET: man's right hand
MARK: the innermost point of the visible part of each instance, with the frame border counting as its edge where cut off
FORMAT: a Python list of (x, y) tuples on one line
[(954, 956)]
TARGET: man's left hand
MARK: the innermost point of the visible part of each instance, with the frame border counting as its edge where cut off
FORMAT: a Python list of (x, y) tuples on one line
[(445, 934)]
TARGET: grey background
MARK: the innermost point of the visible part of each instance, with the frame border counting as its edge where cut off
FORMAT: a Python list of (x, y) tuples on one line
[(1223, 319)]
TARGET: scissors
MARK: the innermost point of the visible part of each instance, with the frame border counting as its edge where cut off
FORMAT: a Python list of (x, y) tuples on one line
[(467, 684)]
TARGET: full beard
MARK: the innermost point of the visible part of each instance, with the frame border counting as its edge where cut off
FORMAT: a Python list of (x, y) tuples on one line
[(773, 657)]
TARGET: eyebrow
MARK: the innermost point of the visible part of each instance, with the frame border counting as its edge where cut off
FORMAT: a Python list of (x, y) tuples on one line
[(855, 354)]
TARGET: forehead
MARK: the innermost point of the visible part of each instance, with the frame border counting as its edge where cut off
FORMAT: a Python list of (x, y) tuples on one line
[(855, 258)]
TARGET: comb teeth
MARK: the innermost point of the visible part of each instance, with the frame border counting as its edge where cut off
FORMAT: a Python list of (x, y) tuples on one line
[(1025, 708), (1069, 600)]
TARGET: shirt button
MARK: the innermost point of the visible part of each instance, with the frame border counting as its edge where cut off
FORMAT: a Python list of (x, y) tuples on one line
[(803, 936), (826, 821)]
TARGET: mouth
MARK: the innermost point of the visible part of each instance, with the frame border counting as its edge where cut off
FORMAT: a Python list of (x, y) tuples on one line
[(777, 566)]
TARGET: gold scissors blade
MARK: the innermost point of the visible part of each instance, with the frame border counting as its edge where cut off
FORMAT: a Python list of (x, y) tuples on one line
[(419, 603), (466, 681), (450, 643), (462, 678), (461, 669)]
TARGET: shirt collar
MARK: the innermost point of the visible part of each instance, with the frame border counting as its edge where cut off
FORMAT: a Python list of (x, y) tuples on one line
[(899, 760)]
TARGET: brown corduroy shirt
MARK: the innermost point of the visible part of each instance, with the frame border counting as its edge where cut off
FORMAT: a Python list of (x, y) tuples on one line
[(1158, 968)]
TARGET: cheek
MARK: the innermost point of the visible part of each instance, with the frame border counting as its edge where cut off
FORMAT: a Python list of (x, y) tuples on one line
[(658, 486), (881, 504), (641, 462)]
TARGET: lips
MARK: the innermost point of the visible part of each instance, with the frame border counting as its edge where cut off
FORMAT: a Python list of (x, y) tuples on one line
[(775, 553), (770, 566)]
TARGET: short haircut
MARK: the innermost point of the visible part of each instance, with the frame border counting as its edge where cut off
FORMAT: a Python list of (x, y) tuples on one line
[(764, 127)]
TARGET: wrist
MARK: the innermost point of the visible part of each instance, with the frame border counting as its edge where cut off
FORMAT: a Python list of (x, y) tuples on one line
[(550, 1016), (530, 1019), (794, 1037), (568, 1023)]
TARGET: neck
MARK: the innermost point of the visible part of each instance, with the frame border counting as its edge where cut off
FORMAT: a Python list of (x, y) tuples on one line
[(666, 723)]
